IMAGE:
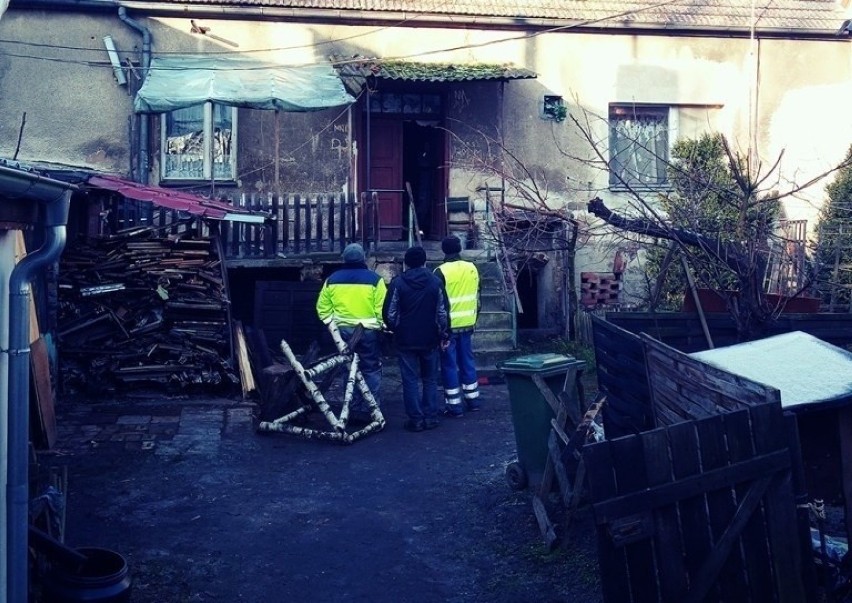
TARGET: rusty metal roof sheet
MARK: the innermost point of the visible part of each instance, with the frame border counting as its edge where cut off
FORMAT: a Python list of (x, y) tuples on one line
[(172, 199)]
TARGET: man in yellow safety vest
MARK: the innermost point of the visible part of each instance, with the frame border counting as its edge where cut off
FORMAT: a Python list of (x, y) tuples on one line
[(460, 280), (352, 296)]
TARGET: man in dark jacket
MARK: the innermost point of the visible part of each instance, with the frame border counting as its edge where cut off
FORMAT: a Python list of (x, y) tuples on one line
[(415, 310)]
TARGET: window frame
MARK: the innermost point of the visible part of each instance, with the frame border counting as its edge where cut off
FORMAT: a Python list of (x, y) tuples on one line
[(206, 148), (667, 115)]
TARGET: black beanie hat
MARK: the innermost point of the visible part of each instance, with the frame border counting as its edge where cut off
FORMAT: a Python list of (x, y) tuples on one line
[(451, 245), (415, 257)]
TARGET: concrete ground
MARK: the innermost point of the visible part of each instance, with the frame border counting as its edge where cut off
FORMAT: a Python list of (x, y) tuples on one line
[(205, 509)]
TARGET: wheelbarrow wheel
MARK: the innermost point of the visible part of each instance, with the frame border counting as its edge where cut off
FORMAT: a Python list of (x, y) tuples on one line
[(516, 477)]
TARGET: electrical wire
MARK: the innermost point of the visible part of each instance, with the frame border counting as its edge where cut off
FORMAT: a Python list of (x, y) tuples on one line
[(238, 52), (524, 36)]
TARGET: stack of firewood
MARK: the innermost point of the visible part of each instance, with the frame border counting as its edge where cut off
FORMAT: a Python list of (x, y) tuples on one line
[(140, 310)]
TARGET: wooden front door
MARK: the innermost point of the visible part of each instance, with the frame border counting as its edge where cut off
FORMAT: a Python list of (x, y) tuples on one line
[(386, 175)]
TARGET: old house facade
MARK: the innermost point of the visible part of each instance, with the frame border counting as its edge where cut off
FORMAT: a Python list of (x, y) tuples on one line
[(443, 113)]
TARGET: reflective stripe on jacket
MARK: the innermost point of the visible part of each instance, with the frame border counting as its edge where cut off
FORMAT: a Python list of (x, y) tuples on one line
[(461, 281), (352, 296)]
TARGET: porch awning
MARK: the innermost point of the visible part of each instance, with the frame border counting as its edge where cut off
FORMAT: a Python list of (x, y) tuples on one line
[(183, 81), (186, 202)]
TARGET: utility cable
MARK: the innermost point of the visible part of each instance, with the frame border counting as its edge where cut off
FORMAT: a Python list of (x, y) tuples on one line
[(524, 36)]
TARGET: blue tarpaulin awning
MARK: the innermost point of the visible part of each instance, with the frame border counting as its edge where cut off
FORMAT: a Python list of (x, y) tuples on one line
[(187, 80)]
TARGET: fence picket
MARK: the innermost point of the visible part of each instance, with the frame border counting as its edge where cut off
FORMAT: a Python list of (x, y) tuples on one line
[(274, 234), (308, 222), (320, 237), (297, 223), (332, 207)]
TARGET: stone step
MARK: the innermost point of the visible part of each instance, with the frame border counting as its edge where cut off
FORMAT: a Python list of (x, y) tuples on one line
[(494, 320), (489, 270), (486, 362), (494, 302), (492, 339)]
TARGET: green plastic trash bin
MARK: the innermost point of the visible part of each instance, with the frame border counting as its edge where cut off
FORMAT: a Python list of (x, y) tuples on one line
[(531, 412)]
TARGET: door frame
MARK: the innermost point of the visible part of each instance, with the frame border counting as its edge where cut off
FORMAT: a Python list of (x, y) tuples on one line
[(364, 158)]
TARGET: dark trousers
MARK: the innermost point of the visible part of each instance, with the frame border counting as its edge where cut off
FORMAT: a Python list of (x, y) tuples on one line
[(369, 352), (419, 368)]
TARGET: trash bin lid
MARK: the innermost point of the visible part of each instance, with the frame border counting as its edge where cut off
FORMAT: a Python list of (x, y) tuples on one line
[(534, 363)]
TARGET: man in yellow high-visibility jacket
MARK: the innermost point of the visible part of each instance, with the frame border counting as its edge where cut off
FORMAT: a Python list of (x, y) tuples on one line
[(460, 279), (352, 296)]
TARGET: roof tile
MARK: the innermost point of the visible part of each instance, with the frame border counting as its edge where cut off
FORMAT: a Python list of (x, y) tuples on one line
[(793, 15)]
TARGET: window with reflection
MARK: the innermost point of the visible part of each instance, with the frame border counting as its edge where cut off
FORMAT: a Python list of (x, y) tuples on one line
[(638, 145), (199, 143)]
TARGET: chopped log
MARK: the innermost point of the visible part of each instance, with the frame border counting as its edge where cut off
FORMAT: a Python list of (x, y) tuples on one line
[(246, 375)]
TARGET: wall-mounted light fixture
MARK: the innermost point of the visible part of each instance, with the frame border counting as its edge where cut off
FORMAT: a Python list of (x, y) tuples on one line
[(554, 108)]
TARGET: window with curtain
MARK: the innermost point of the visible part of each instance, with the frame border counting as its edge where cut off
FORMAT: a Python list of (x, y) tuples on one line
[(638, 145), (199, 143)]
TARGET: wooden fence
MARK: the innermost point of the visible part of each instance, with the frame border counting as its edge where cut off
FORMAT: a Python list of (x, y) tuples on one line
[(703, 508), (683, 331), (296, 224), (701, 511), (620, 359)]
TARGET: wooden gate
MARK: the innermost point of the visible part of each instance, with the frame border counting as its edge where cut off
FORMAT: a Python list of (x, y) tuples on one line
[(699, 511)]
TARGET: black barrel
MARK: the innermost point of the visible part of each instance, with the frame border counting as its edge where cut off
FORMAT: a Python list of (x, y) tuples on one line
[(103, 578)]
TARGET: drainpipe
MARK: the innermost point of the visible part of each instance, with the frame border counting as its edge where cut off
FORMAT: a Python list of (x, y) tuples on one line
[(7, 264), (19, 396), (144, 118), (55, 197)]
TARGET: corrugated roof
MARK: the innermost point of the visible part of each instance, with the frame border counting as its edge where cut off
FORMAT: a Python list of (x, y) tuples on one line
[(792, 15), (433, 72), (186, 202)]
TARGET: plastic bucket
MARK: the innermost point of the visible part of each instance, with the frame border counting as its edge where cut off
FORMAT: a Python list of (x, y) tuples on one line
[(104, 578)]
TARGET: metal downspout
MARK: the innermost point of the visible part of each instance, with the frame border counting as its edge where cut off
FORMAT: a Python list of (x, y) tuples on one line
[(7, 265), (144, 118), (19, 395)]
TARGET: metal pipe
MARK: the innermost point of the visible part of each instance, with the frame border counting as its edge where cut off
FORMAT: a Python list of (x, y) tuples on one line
[(19, 392), (144, 118), (7, 264), (54, 197)]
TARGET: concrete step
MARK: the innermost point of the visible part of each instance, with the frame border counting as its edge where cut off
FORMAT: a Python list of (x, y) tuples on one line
[(492, 339), (494, 320), (489, 270), (486, 362), (494, 302)]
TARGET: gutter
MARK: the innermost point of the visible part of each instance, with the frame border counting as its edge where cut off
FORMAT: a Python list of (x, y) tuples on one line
[(8, 239), (55, 196), (443, 20), (144, 119), (456, 21)]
